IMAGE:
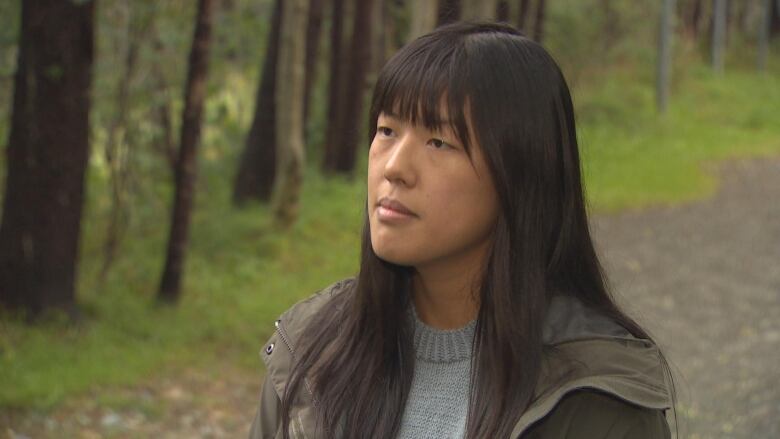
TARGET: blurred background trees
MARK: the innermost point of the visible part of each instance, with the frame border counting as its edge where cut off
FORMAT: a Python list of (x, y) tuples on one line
[(141, 63), (265, 102)]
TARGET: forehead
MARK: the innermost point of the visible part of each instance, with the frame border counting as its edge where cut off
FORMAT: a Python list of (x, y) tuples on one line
[(419, 112), (439, 116)]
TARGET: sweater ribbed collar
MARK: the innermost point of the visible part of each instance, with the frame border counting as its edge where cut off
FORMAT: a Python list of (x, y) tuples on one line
[(442, 345)]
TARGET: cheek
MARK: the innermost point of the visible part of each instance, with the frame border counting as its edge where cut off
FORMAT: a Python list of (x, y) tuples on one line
[(462, 215), (376, 165), (374, 174)]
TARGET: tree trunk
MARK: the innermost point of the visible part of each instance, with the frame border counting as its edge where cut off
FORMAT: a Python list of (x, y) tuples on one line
[(337, 83), (718, 34), (479, 9), (449, 11), (539, 20), (502, 11), (394, 37), (523, 15), (289, 120), (313, 33), (356, 78), (664, 54), (257, 166), (424, 15), (47, 156), (763, 34), (381, 36), (184, 195), (693, 18)]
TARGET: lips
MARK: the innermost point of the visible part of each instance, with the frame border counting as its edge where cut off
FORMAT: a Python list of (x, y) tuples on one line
[(389, 203)]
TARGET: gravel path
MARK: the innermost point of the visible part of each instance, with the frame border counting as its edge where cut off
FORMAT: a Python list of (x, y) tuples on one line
[(704, 278)]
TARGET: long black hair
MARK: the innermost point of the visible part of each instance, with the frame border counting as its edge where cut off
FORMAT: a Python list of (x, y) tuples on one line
[(357, 353)]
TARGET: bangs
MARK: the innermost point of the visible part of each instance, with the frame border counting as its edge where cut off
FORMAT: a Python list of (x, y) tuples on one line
[(425, 84)]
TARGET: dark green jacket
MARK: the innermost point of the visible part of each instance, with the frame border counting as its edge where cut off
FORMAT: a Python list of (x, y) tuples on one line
[(599, 382)]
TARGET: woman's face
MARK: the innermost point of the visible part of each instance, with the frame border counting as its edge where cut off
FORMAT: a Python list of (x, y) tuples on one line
[(452, 201)]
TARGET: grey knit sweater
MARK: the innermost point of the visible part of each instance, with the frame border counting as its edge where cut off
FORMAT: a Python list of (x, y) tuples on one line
[(438, 401)]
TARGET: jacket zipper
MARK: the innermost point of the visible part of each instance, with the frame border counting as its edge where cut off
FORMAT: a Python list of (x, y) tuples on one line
[(280, 331)]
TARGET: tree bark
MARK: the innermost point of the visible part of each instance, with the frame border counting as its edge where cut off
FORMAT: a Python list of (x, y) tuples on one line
[(523, 15), (502, 11), (692, 18), (185, 175), (763, 34), (356, 78), (479, 9), (313, 33), (424, 15), (47, 156), (718, 34), (449, 11), (379, 37), (539, 20), (289, 120), (257, 166), (337, 82)]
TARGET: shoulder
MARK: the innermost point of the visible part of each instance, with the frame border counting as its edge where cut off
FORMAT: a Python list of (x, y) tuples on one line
[(295, 318), (596, 380), (278, 352), (594, 414)]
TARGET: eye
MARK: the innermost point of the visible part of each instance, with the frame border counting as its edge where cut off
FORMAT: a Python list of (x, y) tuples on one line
[(384, 131), (439, 144)]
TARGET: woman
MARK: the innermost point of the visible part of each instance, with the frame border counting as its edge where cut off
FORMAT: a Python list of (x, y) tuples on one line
[(480, 309)]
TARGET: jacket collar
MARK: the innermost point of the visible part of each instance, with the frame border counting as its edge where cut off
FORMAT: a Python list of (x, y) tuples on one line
[(587, 350), (584, 350)]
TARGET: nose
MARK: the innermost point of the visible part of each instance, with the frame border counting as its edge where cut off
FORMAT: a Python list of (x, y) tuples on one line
[(400, 165)]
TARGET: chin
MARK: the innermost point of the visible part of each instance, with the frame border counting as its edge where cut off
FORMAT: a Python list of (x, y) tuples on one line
[(394, 256)]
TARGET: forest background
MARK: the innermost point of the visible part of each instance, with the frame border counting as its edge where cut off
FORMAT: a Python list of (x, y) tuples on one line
[(188, 241)]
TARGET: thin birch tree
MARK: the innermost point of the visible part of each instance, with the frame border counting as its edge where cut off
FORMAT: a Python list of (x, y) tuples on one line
[(186, 165), (290, 92)]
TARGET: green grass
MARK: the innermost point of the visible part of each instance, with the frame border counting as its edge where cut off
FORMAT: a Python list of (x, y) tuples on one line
[(241, 272), (633, 157)]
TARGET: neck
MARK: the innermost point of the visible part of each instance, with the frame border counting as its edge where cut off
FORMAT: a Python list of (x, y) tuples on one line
[(446, 294)]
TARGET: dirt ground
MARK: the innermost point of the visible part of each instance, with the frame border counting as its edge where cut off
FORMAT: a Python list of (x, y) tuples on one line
[(193, 404), (704, 278)]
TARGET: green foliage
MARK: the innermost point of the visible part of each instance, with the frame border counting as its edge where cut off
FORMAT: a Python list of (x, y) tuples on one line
[(620, 33), (241, 272), (634, 158)]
